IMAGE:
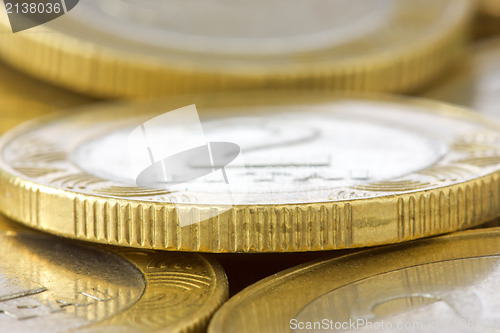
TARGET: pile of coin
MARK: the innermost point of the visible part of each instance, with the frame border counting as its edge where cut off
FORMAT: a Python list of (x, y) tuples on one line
[(249, 166)]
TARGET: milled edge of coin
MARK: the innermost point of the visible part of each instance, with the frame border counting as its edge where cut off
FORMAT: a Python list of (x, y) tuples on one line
[(144, 309), (252, 228), (367, 263), (104, 72)]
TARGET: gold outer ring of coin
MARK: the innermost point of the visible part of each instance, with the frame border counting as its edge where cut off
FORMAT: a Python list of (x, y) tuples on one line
[(181, 291), (270, 304), (371, 221), (105, 72)]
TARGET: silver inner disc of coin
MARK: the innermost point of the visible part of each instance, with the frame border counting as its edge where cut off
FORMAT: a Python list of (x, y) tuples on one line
[(236, 27), (49, 285)]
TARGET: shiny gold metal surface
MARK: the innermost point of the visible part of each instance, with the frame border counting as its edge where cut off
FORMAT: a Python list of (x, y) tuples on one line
[(49, 284), (433, 168), (127, 51), (23, 98), (444, 284)]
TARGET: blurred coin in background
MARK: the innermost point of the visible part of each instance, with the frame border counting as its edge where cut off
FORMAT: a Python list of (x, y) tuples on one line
[(49, 284), (475, 83), (442, 284), (131, 48), (317, 172)]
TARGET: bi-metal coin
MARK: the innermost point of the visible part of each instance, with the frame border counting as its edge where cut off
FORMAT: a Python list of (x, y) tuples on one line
[(444, 284), (132, 48), (476, 84), (49, 284), (314, 172)]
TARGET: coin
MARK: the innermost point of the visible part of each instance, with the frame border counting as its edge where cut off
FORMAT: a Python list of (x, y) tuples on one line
[(317, 172), (131, 48), (49, 284), (476, 84), (443, 284), (23, 98)]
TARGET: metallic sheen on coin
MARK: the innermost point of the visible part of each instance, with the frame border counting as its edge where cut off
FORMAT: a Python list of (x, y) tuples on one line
[(318, 172), (49, 284), (444, 284), (132, 48)]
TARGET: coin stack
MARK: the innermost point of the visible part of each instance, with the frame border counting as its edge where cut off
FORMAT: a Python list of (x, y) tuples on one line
[(220, 167)]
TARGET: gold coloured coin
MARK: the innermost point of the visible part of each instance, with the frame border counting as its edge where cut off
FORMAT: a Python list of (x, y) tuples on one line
[(442, 284), (476, 84), (128, 49), (319, 172), (23, 98), (49, 284), (486, 26)]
